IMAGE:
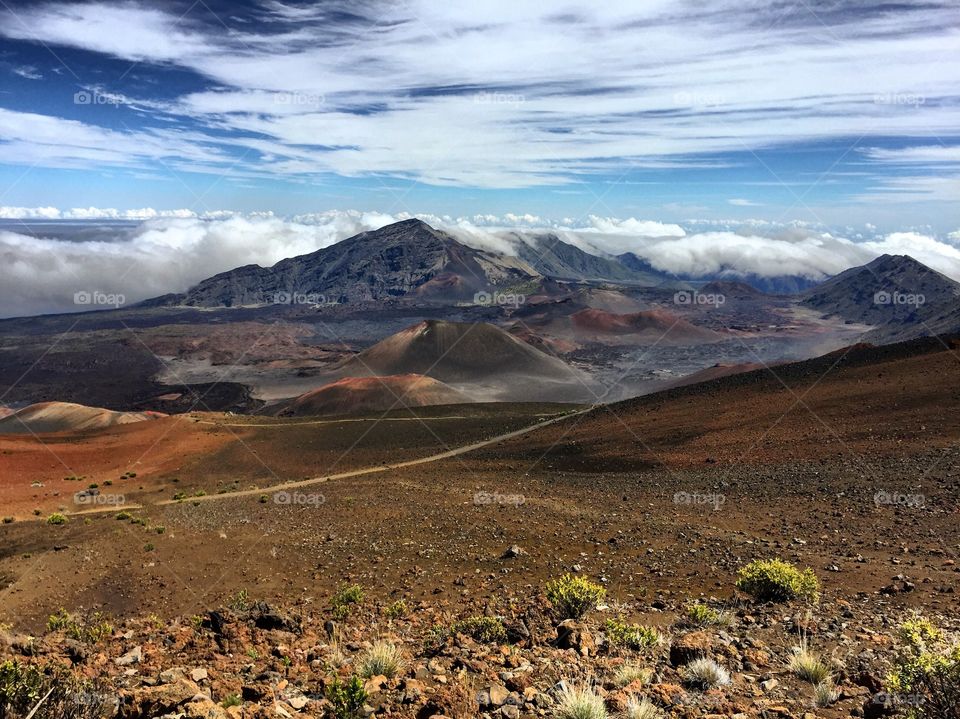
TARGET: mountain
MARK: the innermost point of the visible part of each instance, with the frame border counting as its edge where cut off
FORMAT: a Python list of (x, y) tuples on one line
[(407, 258), (457, 352), (358, 395), (900, 297), (66, 417), (552, 257)]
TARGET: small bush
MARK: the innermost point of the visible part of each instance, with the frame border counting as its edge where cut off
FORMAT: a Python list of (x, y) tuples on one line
[(574, 596), (483, 629), (777, 581), (231, 700), (90, 628), (705, 674), (631, 636), (580, 704), (382, 658), (825, 694), (240, 601), (701, 615), (642, 709), (348, 594), (436, 639), (927, 669), (23, 685), (123, 515), (629, 673), (807, 665), (56, 518), (346, 699), (397, 610)]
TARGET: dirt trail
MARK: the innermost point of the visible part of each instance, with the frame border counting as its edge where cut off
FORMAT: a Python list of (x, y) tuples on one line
[(457, 451)]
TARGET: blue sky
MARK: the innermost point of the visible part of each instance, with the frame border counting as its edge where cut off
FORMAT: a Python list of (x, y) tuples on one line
[(842, 112)]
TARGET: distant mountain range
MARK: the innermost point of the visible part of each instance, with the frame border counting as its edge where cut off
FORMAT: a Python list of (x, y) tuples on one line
[(410, 260)]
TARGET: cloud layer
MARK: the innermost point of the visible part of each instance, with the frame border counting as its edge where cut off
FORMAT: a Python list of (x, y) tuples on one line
[(42, 272)]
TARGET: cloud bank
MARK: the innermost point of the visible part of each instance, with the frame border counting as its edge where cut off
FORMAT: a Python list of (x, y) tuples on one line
[(42, 272)]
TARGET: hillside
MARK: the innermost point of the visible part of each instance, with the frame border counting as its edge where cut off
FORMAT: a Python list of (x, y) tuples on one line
[(47, 417), (359, 395)]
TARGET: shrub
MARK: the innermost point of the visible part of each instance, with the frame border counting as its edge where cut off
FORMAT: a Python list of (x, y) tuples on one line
[(825, 694), (483, 629), (705, 674), (231, 700), (397, 610), (382, 658), (90, 628), (807, 665), (927, 670), (56, 518), (348, 594), (630, 673), (777, 581), (436, 639), (580, 704), (641, 709), (123, 515), (23, 685), (574, 596), (240, 601), (701, 615), (631, 636), (346, 699)]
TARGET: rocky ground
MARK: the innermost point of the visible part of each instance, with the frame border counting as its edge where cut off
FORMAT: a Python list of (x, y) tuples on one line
[(252, 659)]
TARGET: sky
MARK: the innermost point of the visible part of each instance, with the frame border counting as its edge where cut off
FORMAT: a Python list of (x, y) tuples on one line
[(838, 112)]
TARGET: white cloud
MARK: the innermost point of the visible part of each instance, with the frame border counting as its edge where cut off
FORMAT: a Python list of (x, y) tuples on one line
[(740, 202), (169, 254), (503, 94)]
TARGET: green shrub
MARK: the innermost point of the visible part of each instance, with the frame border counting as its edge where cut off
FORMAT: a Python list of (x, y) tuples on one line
[(346, 596), (397, 610), (90, 628), (231, 700), (483, 629), (631, 636), (346, 699), (56, 518), (926, 674), (574, 596), (240, 601), (701, 615), (22, 686), (123, 515), (774, 580)]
